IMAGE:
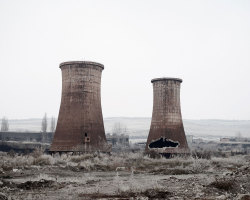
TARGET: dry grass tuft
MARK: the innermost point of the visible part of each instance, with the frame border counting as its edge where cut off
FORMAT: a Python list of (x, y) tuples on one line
[(41, 161)]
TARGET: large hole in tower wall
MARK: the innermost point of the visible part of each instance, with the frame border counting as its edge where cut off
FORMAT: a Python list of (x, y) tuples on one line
[(163, 142)]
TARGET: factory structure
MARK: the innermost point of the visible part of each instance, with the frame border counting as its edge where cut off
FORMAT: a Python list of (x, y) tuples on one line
[(119, 142), (80, 125), (25, 141), (166, 135)]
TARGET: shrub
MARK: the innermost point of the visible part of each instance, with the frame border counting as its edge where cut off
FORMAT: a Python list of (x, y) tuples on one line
[(223, 184), (204, 154), (11, 153), (41, 161), (80, 158), (37, 152)]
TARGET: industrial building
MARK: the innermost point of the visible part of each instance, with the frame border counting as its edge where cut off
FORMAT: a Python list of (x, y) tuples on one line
[(236, 145), (80, 125), (166, 135), (25, 141), (119, 142)]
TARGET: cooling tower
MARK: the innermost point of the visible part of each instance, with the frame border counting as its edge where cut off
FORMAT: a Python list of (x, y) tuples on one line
[(166, 135), (80, 123)]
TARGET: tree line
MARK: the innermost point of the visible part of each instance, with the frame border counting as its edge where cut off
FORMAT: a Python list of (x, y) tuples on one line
[(44, 124)]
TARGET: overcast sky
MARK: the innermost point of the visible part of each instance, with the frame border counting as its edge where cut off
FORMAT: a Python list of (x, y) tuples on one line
[(206, 43)]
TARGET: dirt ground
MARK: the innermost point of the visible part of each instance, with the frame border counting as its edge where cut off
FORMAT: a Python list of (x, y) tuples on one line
[(122, 176)]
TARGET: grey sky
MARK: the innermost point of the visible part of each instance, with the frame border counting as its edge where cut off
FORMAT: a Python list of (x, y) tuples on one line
[(206, 43)]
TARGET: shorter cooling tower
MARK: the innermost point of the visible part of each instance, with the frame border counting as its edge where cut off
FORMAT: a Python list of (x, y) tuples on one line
[(80, 123), (166, 135)]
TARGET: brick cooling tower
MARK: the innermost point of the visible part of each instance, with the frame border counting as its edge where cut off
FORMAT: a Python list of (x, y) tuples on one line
[(80, 125), (166, 135)]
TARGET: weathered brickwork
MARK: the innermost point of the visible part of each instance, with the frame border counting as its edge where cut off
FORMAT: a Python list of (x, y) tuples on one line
[(80, 123), (166, 124)]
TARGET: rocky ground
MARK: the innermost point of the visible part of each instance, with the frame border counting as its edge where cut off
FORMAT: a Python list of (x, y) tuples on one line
[(122, 176)]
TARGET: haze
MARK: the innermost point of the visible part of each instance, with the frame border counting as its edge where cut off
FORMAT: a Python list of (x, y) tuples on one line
[(206, 43)]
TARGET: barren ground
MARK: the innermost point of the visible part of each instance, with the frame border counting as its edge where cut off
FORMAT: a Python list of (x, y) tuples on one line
[(122, 176)]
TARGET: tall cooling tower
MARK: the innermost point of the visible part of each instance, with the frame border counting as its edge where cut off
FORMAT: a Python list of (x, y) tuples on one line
[(80, 123), (166, 135)]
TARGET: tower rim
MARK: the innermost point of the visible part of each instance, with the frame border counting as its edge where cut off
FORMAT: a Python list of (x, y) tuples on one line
[(81, 62), (166, 79)]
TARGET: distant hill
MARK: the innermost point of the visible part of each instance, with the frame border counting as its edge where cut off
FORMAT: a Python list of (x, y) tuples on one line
[(140, 126)]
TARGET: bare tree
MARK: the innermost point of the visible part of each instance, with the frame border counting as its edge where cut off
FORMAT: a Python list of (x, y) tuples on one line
[(53, 124), (238, 134), (119, 128), (44, 123), (5, 124)]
